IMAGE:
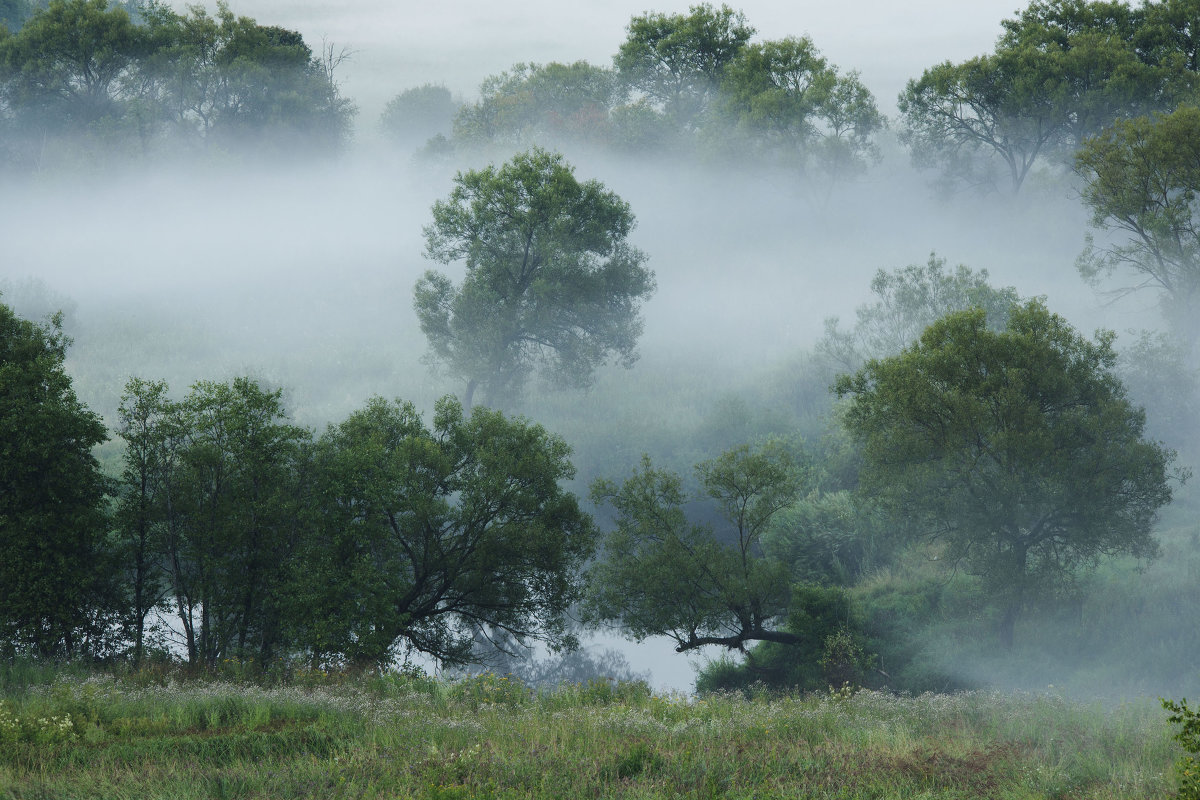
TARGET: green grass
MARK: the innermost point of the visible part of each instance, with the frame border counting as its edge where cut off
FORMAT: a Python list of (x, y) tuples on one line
[(402, 736)]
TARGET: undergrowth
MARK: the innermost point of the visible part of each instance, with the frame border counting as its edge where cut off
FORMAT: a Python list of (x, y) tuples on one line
[(407, 735)]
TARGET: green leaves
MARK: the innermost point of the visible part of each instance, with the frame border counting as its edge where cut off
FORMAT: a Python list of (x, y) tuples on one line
[(677, 60), (788, 98), (428, 536), (1062, 71), (662, 575), (1017, 450), (56, 583), (551, 281), (1143, 177)]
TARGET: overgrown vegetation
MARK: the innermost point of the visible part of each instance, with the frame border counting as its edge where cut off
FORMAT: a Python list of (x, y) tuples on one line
[(403, 734)]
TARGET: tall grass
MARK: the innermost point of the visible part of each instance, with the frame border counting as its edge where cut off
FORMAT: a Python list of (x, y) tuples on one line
[(407, 735)]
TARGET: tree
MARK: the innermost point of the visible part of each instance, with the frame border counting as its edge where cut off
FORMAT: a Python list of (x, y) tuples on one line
[(909, 300), (1169, 33), (1102, 66), (551, 280), (144, 417), (426, 537), (57, 596), (541, 103), (1062, 71), (228, 81), (1017, 451), (1143, 176), (67, 64), (677, 61), (228, 501), (959, 117), (419, 113), (661, 575), (785, 95)]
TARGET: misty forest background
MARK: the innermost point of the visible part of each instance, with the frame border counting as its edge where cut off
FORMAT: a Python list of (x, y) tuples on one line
[(231, 250)]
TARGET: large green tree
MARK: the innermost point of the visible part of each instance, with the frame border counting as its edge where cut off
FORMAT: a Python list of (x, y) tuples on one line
[(56, 582), (1016, 451), (786, 98), (1143, 176), (551, 280), (676, 61), (71, 63), (428, 537), (662, 574), (1062, 71)]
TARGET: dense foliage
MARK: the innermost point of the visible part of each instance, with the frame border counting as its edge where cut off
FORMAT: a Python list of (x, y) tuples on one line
[(1062, 71), (56, 594), (261, 542), (977, 432), (82, 80), (1143, 176), (552, 282), (1016, 451)]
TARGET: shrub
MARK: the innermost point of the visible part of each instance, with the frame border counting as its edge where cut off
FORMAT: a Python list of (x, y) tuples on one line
[(1189, 736)]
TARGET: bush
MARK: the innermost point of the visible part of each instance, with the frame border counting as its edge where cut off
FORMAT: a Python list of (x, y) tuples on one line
[(834, 651), (1188, 736)]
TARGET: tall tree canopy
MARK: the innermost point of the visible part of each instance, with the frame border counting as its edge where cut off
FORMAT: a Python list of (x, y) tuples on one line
[(551, 280), (1017, 451), (56, 584), (1062, 71), (429, 536), (676, 61), (791, 101), (1143, 180), (541, 103), (83, 77), (909, 300), (662, 575)]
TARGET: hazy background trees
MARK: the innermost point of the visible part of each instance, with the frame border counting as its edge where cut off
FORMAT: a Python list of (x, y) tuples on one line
[(82, 81), (1062, 71)]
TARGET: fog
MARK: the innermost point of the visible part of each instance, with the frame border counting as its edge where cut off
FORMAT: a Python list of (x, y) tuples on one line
[(302, 274), (457, 43)]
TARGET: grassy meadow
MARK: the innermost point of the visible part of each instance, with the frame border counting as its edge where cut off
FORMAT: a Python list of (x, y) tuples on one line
[(72, 734)]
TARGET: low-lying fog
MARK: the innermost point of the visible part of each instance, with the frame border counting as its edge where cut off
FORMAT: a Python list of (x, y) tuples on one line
[(303, 275)]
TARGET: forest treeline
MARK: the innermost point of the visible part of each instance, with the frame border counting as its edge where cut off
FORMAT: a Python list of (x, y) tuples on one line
[(230, 533), (86, 79)]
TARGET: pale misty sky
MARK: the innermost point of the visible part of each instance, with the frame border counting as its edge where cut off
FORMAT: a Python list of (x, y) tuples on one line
[(459, 42)]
